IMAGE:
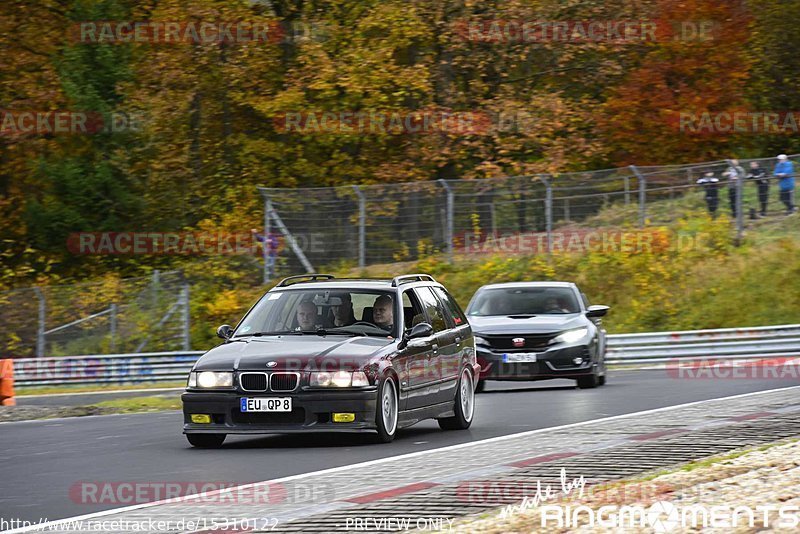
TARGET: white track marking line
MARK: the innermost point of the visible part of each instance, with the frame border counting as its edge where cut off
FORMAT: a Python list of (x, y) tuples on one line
[(350, 467)]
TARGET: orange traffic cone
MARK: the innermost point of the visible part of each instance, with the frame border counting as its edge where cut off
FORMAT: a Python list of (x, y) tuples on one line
[(7, 383)]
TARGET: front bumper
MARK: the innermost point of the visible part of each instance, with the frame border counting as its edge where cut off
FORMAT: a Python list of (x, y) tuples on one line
[(552, 363), (311, 411)]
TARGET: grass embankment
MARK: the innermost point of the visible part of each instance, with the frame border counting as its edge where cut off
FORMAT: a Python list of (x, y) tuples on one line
[(141, 404), (690, 276), (155, 403)]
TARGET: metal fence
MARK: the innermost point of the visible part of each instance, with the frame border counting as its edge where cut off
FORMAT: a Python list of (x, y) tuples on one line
[(782, 341), (130, 314), (371, 224), (718, 344)]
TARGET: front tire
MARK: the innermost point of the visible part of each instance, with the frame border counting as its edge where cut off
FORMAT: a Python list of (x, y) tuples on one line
[(206, 441), (386, 412), (464, 405), (588, 382)]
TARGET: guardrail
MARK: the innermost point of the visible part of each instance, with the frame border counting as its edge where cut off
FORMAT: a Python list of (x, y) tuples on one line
[(105, 369), (719, 344), (654, 347)]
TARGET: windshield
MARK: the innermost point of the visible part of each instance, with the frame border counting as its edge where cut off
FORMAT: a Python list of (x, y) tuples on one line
[(524, 301), (321, 312)]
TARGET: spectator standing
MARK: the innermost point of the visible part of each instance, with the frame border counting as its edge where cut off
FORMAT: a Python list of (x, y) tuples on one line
[(784, 172), (710, 184), (734, 173), (271, 244), (758, 174)]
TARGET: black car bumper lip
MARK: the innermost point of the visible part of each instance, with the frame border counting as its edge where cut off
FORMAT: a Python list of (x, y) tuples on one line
[(311, 412), (553, 363)]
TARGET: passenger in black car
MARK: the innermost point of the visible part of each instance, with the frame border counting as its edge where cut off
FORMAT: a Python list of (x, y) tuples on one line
[(343, 313)]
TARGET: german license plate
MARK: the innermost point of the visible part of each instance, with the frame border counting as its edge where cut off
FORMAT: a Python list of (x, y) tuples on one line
[(519, 357), (266, 404)]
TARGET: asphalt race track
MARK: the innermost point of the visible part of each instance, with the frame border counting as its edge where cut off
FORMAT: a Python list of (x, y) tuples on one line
[(42, 460)]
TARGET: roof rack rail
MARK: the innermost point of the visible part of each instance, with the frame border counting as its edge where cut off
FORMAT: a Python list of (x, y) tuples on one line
[(408, 278), (313, 278)]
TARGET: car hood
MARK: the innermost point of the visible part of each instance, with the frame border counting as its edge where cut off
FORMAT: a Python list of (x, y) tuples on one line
[(294, 353), (539, 324)]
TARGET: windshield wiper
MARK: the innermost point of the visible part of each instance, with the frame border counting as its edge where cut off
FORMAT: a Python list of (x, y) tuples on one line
[(337, 332), (259, 334)]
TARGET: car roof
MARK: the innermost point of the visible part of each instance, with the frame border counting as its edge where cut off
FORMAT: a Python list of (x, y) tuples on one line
[(513, 285), (339, 283), (342, 284)]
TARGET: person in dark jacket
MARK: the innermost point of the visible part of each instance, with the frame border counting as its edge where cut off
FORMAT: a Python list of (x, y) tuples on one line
[(711, 185), (758, 174)]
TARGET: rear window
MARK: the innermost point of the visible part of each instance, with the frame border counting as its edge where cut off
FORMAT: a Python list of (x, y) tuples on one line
[(451, 305), (432, 308)]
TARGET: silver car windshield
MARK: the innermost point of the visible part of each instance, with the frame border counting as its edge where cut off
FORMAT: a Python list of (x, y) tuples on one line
[(524, 301)]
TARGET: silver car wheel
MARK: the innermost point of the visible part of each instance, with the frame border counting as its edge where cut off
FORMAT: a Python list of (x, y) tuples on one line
[(467, 395), (389, 406)]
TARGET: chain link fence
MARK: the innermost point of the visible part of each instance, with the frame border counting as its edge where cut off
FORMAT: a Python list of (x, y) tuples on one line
[(330, 227), (128, 315), (335, 227)]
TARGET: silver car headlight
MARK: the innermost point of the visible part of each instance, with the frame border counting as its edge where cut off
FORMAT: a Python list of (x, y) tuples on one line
[(570, 336), (210, 379), (338, 379), (481, 341)]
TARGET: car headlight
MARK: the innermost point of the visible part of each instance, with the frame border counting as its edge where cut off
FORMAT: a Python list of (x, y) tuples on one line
[(339, 379), (210, 379), (570, 336), (481, 340)]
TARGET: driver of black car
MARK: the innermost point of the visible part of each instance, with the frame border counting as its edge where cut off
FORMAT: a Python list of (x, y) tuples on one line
[(306, 315), (382, 313)]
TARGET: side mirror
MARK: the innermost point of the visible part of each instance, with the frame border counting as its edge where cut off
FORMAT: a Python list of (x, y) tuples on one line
[(420, 330), (597, 311), (417, 331), (225, 331)]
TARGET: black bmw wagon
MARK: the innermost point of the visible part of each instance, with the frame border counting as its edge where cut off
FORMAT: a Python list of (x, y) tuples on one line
[(317, 353)]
